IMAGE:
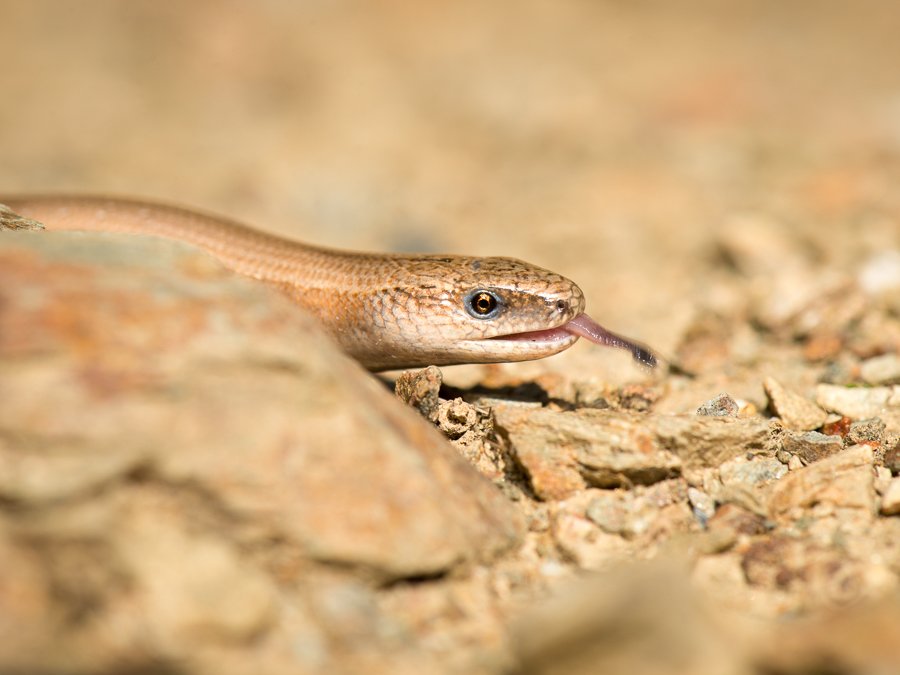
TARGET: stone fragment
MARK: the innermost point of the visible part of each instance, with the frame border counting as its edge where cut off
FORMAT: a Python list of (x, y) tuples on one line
[(795, 411), (883, 478), (881, 370), (9, 220), (892, 459), (621, 513), (858, 403), (866, 431), (702, 504), (838, 427), (134, 355), (736, 518), (721, 406), (752, 472), (639, 619), (890, 502), (813, 446), (564, 452), (590, 548), (419, 389), (845, 479)]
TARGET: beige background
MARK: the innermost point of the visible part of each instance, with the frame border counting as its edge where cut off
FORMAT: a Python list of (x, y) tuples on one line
[(610, 141)]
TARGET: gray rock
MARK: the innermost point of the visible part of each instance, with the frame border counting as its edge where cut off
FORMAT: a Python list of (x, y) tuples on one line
[(760, 470), (813, 446), (721, 406)]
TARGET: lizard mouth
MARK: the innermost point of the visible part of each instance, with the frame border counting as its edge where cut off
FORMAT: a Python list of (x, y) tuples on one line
[(584, 326)]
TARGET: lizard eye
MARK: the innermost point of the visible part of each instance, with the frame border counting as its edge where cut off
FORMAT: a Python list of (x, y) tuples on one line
[(482, 304)]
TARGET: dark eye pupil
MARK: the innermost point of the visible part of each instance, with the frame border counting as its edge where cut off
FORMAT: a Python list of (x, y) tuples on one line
[(484, 303)]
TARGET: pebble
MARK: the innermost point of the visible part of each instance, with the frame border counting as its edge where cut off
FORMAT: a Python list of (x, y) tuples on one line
[(703, 505), (866, 431), (721, 406), (890, 503), (858, 403), (761, 470), (892, 459), (813, 446), (842, 480), (795, 411), (880, 370)]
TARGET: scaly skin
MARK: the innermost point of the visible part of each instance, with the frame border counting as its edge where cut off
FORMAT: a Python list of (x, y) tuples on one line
[(388, 311)]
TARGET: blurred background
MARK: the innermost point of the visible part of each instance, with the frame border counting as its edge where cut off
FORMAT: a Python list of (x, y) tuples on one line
[(611, 141)]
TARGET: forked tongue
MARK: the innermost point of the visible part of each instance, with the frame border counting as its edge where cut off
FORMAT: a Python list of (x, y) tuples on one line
[(584, 326)]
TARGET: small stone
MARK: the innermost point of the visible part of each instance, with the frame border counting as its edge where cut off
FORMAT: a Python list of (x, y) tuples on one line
[(858, 403), (795, 463), (757, 471), (703, 505), (795, 411), (868, 431), (419, 389), (738, 519), (837, 427), (842, 480), (890, 503), (721, 406), (882, 479), (813, 446), (879, 370), (881, 272), (892, 459)]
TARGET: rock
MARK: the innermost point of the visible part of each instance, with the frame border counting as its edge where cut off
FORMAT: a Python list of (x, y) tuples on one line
[(753, 472), (736, 518), (892, 459), (635, 620), (622, 513), (880, 370), (813, 446), (795, 411), (845, 479), (583, 543), (837, 427), (564, 452), (890, 502), (131, 355), (881, 272), (702, 504), (419, 389), (13, 221), (858, 403), (867, 431), (721, 406)]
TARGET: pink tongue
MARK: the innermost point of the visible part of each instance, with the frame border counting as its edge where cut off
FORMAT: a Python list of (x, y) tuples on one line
[(586, 327)]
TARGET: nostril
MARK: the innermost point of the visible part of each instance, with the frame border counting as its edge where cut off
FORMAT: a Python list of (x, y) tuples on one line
[(562, 306)]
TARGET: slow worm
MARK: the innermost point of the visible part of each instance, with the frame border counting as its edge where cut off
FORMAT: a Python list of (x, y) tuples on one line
[(386, 310)]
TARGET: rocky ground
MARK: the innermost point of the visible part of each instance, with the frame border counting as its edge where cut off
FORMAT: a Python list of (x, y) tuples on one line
[(193, 479)]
